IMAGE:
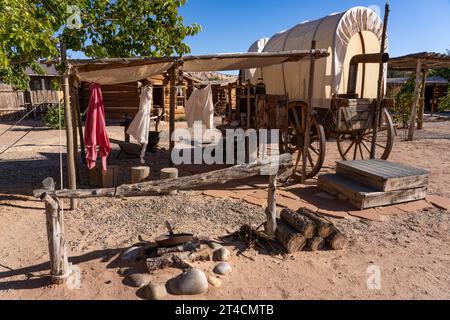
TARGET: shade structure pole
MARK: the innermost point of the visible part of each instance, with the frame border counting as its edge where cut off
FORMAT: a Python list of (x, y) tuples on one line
[(422, 100), (306, 140), (412, 120), (69, 127), (380, 88), (172, 77)]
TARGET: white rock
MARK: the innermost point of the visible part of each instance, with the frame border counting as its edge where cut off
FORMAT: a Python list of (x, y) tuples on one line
[(222, 254), (139, 280), (191, 282), (214, 281), (155, 292), (222, 268)]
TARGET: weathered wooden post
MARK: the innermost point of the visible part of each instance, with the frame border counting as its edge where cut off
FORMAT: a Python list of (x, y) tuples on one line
[(172, 76), (422, 100), (59, 264), (69, 128), (271, 210), (412, 120)]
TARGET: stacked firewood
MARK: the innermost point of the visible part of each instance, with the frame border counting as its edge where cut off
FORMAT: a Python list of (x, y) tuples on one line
[(305, 229)]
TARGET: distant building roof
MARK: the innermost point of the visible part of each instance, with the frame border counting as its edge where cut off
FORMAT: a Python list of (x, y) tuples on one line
[(430, 81), (49, 71)]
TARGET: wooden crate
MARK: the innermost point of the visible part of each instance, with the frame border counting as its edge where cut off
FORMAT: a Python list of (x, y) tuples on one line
[(353, 114), (383, 175)]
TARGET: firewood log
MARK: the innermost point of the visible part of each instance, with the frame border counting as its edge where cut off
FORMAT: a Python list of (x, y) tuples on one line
[(291, 239), (337, 240), (324, 227), (299, 222), (315, 244)]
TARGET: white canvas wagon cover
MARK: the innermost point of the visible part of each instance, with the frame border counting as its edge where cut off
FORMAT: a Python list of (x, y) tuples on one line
[(344, 35)]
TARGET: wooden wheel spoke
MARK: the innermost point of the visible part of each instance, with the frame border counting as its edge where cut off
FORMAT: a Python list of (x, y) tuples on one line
[(361, 151), (356, 152), (349, 148), (311, 161), (365, 146), (314, 150)]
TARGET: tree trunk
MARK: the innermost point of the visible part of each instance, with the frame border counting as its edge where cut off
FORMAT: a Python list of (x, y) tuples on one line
[(324, 227), (291, 240), (299, 222)]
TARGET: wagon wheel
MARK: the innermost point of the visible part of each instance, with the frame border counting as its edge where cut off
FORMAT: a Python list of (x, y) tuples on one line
[(292, 140), (220, 109), (357, 145)]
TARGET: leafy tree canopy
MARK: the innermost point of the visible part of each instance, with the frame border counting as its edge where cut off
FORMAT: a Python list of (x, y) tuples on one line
[(29, 30)]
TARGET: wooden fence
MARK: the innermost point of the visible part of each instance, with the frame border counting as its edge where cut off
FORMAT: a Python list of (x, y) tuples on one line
[(11, 101), (59, 265)]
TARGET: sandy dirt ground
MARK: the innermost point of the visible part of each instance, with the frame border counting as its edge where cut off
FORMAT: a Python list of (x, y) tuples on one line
[(412, 250)]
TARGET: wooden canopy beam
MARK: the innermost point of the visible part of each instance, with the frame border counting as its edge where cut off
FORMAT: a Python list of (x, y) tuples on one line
[(422, 100)]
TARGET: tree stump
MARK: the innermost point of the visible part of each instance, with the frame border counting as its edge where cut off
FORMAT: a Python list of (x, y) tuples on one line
[(169, 173), (324, 227), (337, 240), (291, 239), (139, 174), (299, 222), (315, 244)]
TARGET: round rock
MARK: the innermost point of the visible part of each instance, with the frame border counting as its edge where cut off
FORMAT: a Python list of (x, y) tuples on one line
[(138, 280), (222, 254), (222, 268), (155, 292), (214, 281), (132, 254), (191, 282), (214, 245)]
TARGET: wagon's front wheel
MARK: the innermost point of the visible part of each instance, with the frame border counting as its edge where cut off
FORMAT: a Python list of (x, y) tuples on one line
[(292, 142), (357, 145)]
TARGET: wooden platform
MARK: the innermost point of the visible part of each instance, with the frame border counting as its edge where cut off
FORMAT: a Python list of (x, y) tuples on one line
[(363, 197), (375, 183), (383, 175)]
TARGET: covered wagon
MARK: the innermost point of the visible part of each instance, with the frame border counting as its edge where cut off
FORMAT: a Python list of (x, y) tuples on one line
[(342, 98)]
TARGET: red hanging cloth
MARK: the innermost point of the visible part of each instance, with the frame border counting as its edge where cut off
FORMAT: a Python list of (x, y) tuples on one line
[(95, 132)]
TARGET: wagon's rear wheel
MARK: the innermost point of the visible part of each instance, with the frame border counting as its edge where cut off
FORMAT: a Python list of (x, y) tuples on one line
[(357, 145), (220, 109), (292, 140)]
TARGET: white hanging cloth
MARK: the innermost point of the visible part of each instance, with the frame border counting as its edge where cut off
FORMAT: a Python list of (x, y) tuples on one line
[(200, 107), (140, 126)]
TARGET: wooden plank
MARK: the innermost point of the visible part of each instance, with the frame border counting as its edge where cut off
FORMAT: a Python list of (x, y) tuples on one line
[(383, 175), (363, 197)]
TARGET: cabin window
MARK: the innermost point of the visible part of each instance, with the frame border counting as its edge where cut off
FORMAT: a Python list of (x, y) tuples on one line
[(36, 84), (181, 95)]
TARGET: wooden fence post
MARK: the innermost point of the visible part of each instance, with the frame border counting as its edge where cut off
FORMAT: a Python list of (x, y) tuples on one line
[(59, 264)]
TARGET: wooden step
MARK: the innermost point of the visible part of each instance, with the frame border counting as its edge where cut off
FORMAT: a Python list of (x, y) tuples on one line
[(364, 197), (383, 175)]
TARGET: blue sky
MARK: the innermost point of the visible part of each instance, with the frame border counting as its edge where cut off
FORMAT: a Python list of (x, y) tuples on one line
[(233, 25)]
